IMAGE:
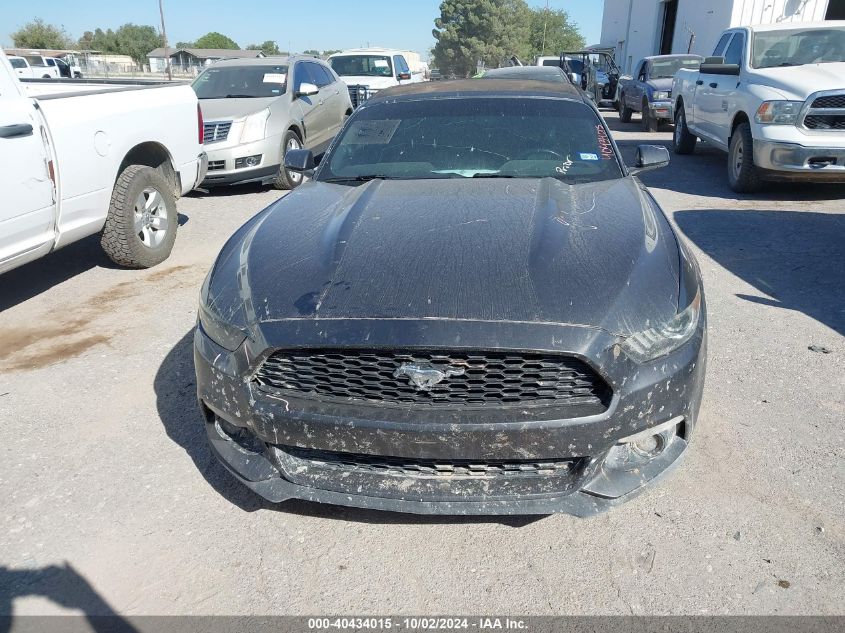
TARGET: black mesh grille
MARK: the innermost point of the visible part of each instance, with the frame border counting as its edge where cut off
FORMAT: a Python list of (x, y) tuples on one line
[(825, 122), (352, 462), (468, 379), (831, 101)]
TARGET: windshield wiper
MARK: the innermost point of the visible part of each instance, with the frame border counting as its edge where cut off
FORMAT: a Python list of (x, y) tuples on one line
[(365, 178), (241, 97), (493, 176)]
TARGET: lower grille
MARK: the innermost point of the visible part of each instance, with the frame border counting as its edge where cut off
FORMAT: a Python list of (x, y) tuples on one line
[(419, 378), (351, 462), (216, 165), (216, 131), (824, 122)]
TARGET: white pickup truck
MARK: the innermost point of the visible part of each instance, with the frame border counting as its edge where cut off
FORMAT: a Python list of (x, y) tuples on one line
[(773, 97), (82, 159)]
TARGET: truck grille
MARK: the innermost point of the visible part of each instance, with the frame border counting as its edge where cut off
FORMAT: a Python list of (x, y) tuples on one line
[(359, 94), (216, 165), (827, 112), (216, 131), (466, 379)]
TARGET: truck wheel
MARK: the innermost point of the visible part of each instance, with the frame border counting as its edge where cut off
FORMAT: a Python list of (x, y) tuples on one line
[(288, 179), (683, 141), (626, 113), (743, 175), (649, 122), (140, 228)]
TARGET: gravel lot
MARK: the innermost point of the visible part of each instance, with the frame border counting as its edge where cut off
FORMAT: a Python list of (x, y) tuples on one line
[(112, 500)]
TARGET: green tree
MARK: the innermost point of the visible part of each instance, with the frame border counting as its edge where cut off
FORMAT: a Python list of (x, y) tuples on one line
[(39, 34), (489, 31), (269, 47), (551, 33), (99, 40), (311, 51), (186, 44), (137, 40), (215, 40)]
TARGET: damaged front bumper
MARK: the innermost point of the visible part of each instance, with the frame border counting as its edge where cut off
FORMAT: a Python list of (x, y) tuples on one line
[(514, 461)]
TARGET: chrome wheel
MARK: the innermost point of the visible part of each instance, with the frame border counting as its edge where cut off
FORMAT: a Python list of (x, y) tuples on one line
[(738, 158), (678, 126), (151, 215), (293, 143)]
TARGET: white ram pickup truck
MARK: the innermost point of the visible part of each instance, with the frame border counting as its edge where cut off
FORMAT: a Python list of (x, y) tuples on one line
[(93, 159), (773, 97)]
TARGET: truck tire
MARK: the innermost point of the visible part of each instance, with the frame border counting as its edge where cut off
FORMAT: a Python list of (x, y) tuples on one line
[(140, 228), (649, 122), (625, 113), (288, 179), (683, 141), (743, 175)]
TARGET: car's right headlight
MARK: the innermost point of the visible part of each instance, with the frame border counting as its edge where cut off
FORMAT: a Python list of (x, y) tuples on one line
[(226, 335), (255, 126), (666, 337), (778, 112), (662, 95)]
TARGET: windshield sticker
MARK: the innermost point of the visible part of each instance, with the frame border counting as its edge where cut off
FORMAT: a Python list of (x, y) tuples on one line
[(380, 63), (605, 146), (275, 78), (565, 167), (588, 156), (373, 132)]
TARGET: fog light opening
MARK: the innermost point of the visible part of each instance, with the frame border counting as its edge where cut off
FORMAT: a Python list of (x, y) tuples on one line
[(242, 437), (635, 451)]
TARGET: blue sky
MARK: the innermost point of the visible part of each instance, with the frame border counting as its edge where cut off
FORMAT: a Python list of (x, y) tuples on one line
[(302, 25)]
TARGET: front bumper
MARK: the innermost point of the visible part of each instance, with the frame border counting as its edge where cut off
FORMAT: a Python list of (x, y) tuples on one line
[(280, 429), (662, 110), (222, 169), (800, 162)]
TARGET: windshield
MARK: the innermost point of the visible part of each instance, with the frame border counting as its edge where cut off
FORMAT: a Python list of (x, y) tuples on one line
[(17, 62), (492, 137), (666, 68), (242, 82), (362, 66), (798, 47)]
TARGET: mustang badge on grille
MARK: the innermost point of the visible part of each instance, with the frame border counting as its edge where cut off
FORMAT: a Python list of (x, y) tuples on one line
[(424, 377)]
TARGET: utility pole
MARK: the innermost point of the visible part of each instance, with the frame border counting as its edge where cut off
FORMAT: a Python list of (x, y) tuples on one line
[(545, 22), (164, 36)]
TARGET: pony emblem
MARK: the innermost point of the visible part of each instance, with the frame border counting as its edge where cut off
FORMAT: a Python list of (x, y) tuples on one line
[(424, 377)]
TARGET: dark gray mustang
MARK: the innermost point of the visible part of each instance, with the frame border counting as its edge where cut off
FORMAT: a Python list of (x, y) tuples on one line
[(474, 307)]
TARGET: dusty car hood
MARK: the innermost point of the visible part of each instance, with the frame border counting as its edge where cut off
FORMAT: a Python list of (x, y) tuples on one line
[(216, 109), (799, 82), (521, 250)]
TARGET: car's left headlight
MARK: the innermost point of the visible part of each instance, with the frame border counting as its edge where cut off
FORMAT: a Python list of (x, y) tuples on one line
[(662, 95), (255, 126), (667, 337), (778, 112)]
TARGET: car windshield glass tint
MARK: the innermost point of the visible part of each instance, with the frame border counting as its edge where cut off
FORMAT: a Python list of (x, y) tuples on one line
[(492, 137), (661, 69), (798, 47), (241, 82), (362, 66)]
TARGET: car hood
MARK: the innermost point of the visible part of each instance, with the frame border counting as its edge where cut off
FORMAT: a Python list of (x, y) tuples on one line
[(522, 250), (664, 83), (216, 109), (799, 82)]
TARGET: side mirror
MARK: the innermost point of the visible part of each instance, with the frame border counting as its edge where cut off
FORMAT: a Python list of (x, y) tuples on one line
[(404, 76), (574, 78), (717, 66), (302, 161), (650, 157), (307, 90)]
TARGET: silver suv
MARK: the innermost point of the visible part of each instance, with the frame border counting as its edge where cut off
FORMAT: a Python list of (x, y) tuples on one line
[(255, 110)]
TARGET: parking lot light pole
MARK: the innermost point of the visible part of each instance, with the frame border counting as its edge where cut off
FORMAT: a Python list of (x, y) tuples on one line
[(164, 36)]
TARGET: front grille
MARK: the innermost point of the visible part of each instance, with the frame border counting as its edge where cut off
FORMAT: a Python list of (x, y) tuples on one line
[(830, 101), (359, 94), (467, 379), (216, 131), (432, 468), (216, 165), (824, 122)]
